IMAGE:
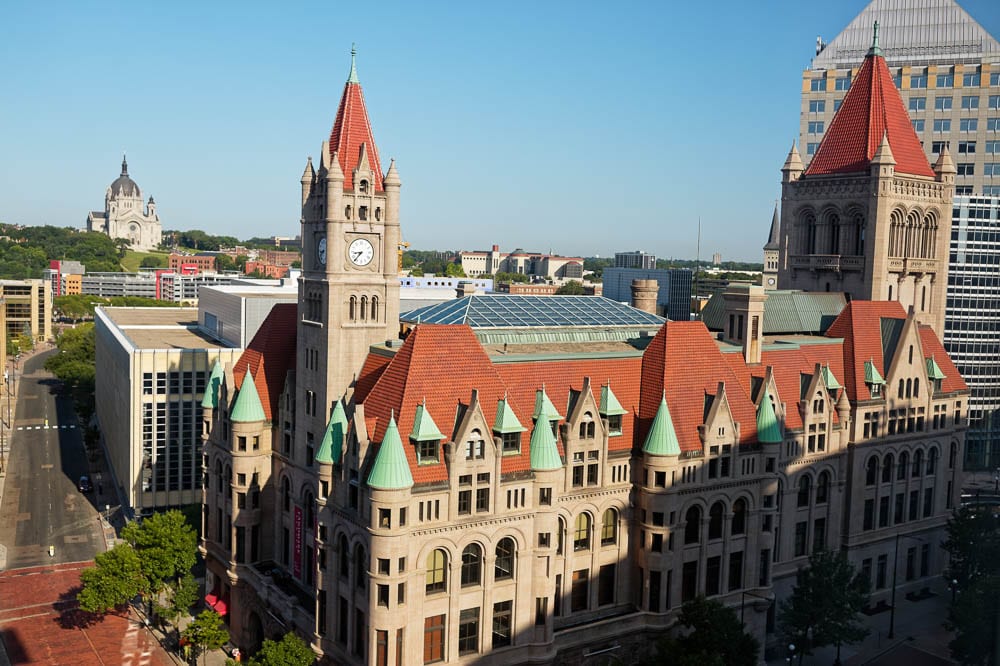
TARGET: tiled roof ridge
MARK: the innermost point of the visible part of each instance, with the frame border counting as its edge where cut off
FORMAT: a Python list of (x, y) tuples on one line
[(352, 129)]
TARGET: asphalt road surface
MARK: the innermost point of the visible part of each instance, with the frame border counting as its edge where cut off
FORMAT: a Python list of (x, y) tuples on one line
[(41, 504)]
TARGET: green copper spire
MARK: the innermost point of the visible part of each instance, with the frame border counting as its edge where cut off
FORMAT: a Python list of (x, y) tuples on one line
[(544, 407), (662, 440), (544, 452), (768, 430), (933, 369), (875, 49), (353, 78), (211, 398), (506, 421), (391, 470), (424, 428), (609, 403), (872, 375), (247, 407), (331, 448), (829, 380)]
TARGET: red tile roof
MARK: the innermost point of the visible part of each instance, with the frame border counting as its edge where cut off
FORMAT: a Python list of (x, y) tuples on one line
[(370, 372), (860, 324), (933, 348), (871, 108), (270, 355), (351, 130)]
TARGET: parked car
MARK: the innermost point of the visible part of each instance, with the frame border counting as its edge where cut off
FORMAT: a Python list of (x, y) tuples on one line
[(84, 484)]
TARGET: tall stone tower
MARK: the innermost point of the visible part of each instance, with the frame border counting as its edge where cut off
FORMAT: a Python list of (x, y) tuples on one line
[(869, 216), (349, 291), (769, 279)]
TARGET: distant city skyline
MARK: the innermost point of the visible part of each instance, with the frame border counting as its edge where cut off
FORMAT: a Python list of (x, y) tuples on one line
[(583, 130)]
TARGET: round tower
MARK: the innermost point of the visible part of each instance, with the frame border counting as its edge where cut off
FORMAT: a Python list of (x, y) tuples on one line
[(644, 295)]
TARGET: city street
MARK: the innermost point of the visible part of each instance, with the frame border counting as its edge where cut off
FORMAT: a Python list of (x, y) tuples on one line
[(41, 506)]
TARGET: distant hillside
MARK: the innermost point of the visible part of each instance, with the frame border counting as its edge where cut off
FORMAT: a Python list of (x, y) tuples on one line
[(26, 251)]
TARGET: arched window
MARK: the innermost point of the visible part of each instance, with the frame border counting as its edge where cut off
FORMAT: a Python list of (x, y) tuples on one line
[(347, 212), (916, 387), (378, 214), (609, 527), (932, 461), (374, 308), (823, 488), (344, 554), (715, 520), (472, 565), (218, 476), (692, 526), (887, 468), (871, 473), (899, 393), (360, 568), (503, 568), (909, 388), (286, 495), (310, 510), (904, 463), (364, 308), (803, 496), (918, 462), (363, 187), (581, 536), (739, 524), (910, 356), (437, 571), (352, 308), (561, 537)]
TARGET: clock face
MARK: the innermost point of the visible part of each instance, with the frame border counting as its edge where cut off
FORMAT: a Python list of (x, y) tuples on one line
[(361, 252), (321, 251), (770, 282)]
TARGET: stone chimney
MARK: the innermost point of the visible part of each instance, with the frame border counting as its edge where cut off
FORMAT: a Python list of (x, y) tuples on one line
[(465, 289), (644, 295)]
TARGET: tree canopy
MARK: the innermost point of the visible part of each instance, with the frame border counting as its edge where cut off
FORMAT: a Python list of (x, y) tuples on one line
[(289, 651), (824, 605), (114, 580), (715, 637), (974, 546), (206, 632), (571, 288), (165, 544)]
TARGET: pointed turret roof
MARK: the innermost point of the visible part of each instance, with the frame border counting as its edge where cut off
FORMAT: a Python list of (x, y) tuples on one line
[(768, 430), (330, 448), (829, 380), (609, 403), (944, 163), (544, 452), (506, 421), (871, 110), (211, 399), (352, 130), (662, 438), (933, 369), (544, 407), (773, 237), (247, 407), (424, 428), (794, 161), (390, 471), (872, 375)]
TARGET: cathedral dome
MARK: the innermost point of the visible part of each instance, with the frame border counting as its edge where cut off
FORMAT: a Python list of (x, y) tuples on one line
[(124, 185)]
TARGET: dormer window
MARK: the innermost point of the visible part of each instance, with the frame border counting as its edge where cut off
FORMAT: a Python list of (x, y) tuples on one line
[(615, 424), (511, 442), (363, 187), (428, 452)]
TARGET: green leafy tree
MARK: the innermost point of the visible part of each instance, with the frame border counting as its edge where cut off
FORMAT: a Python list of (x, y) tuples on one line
[(74, 366), (114, 580), (571, 288), (223, 262), (824, 606), (166, 544), (454, 270), (714, 636), (974, 546), (177, 598), (289, 651), (152, 261), (510, 277), (206, 632)]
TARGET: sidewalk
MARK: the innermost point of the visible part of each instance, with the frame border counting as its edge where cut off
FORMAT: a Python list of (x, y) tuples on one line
[(918, 626), (167, 641)]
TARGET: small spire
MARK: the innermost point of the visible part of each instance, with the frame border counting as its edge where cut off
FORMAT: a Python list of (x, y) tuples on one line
[(353, 78), (875, 50), (124, 165), (884, 153)]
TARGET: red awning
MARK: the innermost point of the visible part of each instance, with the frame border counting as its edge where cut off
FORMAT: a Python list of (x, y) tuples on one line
[(221, 607), (210, 599)]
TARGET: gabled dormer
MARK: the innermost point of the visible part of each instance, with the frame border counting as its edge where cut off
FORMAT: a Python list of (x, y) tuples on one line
[(331, 447), (507, 428), (473, 461), (719, 434), (583, 418), (874, 380), (818, 404), (906, 374), (546, 411), (934, 374), (426, 437), (611, 411)]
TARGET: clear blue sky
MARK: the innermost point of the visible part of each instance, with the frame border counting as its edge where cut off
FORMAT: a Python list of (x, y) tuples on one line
[(577, 127)]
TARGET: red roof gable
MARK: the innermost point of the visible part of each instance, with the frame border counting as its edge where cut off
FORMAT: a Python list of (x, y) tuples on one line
[(270, 355), (684, 363), (933, 348), (871, 109), (860, 324), (351, 130)]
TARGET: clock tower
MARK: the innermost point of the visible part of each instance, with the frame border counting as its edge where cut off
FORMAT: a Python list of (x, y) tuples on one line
[(349, 289)]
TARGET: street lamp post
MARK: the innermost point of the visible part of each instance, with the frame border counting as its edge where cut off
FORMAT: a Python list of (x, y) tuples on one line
[(895, 566)]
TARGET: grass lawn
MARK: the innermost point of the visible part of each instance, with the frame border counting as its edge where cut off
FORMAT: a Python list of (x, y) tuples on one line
[(132, 259)]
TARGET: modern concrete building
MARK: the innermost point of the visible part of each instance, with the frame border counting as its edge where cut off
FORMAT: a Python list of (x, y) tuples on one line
[(674, 298), (543, 479), (947, 69), (108, 285), (636, 259), (152, 367), (232, 314), (65, 276), (27, 308), (125, 216), (972, 321)]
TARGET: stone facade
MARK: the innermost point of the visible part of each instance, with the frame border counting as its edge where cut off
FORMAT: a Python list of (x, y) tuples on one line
[(124, 215)]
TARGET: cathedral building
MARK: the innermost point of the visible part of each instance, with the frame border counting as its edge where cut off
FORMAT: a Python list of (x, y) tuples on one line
[(126, 216), (539, 488)]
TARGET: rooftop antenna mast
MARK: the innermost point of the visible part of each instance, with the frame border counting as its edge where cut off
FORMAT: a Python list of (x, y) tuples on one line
[(697, 269)]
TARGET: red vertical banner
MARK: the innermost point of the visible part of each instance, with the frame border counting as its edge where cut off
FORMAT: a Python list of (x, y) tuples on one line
[(297, 547)]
